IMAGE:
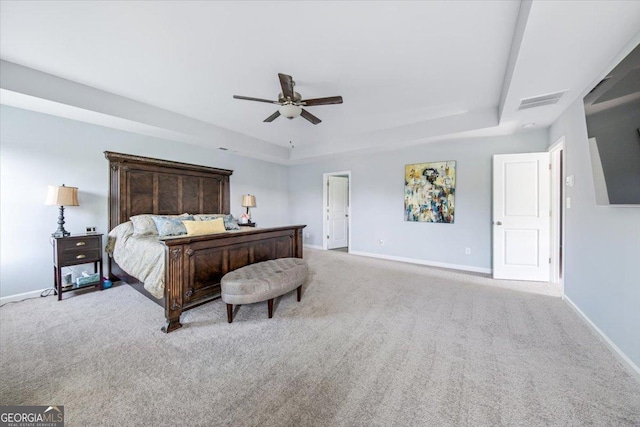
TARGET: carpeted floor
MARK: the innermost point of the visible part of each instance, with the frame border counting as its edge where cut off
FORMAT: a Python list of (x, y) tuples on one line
[(372, 343)]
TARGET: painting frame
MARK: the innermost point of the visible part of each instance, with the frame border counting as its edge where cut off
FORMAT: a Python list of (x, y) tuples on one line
[(429, 192)]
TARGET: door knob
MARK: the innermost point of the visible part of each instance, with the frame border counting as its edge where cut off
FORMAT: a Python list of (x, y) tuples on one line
[(498, 223)]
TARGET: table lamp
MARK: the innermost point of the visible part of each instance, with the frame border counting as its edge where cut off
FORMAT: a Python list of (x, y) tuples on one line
[(248, 201), (61, 196)]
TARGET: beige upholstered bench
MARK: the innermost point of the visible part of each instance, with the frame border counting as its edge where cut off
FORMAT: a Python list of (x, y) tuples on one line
[(263, 281)]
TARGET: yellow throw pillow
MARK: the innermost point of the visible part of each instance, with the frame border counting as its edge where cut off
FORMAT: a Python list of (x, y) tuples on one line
[(204, 227)]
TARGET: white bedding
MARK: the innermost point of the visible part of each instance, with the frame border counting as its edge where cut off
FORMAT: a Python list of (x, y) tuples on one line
[(140, 256)]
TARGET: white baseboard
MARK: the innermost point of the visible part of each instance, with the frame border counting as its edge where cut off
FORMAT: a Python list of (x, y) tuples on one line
[(423, 262), (312, 246), (20, 297), (614, 348)]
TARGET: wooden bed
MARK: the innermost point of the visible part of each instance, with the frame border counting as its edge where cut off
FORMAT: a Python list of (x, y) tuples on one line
[(194, 264)]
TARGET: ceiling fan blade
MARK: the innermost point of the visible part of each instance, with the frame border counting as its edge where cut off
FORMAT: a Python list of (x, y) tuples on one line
[(248, 98), (272, 117), (307, 115), (322, 101), (287, 85)]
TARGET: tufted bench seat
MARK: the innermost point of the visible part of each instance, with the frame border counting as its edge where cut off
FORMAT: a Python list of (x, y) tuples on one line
[(263, 281)]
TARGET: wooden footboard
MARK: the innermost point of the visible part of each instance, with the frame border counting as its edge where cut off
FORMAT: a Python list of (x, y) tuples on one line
[(195, 265)]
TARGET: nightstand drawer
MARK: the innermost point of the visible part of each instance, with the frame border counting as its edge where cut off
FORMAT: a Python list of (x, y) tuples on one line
[(79, 243), (80, 256)]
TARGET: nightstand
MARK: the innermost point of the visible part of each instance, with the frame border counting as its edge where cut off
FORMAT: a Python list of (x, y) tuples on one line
[(248, 224), (76, 250)]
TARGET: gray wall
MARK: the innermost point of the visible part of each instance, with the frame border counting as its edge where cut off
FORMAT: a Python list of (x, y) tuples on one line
[(602, 245), (37, 150), (377, 197)]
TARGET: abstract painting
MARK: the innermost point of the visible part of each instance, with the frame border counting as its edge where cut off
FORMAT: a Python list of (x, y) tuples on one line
[(429, 192)]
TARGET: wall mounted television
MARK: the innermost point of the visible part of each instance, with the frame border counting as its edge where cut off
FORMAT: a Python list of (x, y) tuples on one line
[(612, 110)]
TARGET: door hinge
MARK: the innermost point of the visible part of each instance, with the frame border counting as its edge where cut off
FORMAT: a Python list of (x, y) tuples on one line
[(549, 166), (549, 260), (327, 236)]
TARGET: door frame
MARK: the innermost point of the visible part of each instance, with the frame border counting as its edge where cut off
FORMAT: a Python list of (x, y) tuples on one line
[(558, 210), (325, 206)]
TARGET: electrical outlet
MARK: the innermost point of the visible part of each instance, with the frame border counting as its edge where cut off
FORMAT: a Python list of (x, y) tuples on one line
[(467, 251), (381, 242), (307, 235)]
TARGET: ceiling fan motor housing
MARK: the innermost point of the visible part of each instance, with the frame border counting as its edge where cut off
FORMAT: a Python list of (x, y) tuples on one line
[(283, 99)]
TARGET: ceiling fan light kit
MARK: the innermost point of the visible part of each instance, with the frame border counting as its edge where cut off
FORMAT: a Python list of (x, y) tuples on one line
[(291, 102), (290, 111)]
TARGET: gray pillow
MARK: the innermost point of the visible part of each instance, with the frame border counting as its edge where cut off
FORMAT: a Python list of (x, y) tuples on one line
[(143, 225), (229, 221), (170, 225)]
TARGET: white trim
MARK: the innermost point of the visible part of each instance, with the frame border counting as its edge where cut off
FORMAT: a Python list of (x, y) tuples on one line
[(312, 246), (558, 212), (559, 144), (423, 262), (325, 181), (20, 297), (628, 363)]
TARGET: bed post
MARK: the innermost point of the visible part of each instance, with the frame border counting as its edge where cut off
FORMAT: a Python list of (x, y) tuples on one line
[(174, 258), (297, 243)]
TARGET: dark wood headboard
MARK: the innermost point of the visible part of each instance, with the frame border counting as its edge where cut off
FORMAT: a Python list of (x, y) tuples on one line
[(143, 185)]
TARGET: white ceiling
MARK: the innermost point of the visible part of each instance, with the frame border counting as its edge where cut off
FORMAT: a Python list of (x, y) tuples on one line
[(409, 72)]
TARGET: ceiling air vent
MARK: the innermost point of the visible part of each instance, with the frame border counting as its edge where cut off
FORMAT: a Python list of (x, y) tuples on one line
[(539, 101)]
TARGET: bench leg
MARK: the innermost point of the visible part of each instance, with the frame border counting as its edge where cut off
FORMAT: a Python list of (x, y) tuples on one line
[(230, 313), (299, 291), (270, 305)]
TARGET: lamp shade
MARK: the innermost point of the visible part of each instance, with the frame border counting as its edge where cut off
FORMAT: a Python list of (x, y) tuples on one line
[(290, 111), (62, 196), (249, 201)]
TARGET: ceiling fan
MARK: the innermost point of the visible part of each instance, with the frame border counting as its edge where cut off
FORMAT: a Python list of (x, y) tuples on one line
[(291, 102)]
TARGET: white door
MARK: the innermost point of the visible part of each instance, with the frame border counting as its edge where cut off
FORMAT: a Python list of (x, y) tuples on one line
[(521, 216), (338, 212)]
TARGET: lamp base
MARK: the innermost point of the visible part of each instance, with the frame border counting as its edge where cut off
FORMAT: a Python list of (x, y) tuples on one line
[(61, 232)]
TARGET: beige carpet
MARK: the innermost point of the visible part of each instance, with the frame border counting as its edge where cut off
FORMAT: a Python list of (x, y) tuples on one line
[(372, 343)]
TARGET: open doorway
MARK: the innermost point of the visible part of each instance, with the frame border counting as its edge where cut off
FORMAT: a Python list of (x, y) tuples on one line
[(557, 212), (336, 211)]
